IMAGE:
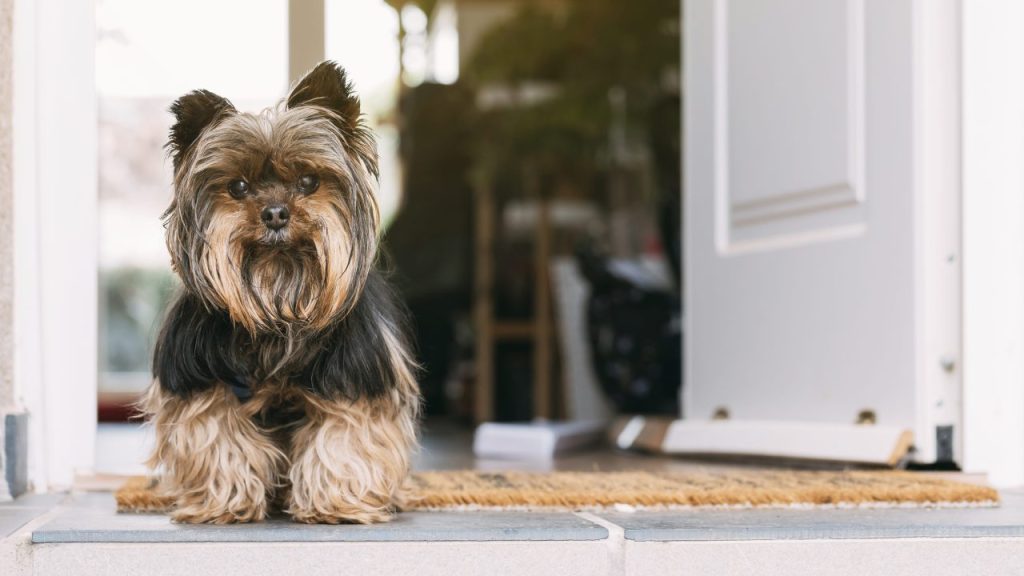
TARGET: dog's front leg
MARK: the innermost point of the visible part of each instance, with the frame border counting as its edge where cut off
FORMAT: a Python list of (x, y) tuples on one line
[(350, 460), (216, 464)]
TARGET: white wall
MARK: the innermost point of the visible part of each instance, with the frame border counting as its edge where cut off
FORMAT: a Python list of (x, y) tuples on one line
[(6, 215), (993, 241)]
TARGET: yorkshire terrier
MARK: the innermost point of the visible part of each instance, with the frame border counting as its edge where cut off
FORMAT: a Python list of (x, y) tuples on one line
[(283, 377)]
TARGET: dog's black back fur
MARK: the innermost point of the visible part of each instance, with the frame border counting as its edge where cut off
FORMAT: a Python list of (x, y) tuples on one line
[(199, 348)]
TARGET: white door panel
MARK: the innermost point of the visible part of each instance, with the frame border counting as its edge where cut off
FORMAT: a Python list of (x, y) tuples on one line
[(791, 130), (803, 245)]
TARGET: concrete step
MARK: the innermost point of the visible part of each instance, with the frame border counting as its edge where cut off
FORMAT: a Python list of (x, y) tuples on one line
[(83, 535)]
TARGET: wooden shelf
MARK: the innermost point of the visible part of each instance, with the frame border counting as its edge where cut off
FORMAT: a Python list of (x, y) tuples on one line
[(514, 330), (489, 330)]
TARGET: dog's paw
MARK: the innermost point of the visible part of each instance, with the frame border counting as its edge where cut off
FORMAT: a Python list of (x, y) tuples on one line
[(339, 492), (341, 476), (199, 510), (218, 466), (340, 514)]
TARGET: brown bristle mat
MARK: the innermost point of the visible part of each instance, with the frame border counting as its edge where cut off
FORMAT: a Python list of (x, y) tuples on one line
[(585, 490)]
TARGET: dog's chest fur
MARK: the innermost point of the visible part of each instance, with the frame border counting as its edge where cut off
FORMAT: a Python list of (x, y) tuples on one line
[(349, 359)]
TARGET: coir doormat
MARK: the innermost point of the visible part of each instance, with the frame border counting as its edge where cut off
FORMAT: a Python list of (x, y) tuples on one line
[(595, 490)]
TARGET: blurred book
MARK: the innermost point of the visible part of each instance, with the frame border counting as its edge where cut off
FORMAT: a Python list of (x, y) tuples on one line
[(534, 440)]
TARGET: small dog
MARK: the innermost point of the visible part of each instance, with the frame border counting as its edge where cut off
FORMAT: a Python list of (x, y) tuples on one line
[(283, 377)]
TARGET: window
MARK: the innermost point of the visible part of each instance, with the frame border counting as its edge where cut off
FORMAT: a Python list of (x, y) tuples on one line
[(363, 37), (147, 55)]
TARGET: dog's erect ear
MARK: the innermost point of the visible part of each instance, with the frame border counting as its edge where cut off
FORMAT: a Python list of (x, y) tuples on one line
[(193, 112), (328, 87)]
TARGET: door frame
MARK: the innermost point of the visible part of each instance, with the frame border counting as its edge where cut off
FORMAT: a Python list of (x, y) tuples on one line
[(993, 238), (55, 235)]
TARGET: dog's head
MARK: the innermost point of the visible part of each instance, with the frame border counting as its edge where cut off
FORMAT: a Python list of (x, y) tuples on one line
[(274, 217)]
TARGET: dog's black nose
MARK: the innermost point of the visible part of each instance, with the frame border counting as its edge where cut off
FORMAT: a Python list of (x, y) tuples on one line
[(275, 216)]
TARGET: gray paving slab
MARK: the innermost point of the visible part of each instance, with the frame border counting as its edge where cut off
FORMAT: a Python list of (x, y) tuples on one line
[(36, 501), (21, 510), (13, 518), (1006, 520), (89, 520)]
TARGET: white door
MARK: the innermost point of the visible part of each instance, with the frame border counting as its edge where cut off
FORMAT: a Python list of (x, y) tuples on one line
[(821, 225)]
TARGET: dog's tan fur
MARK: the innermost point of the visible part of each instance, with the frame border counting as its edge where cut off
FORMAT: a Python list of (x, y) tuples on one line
[(347, 462), (217, 465)]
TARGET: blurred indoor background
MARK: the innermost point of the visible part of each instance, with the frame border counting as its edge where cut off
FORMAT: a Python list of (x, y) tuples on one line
[(847, 258), (530, 186)]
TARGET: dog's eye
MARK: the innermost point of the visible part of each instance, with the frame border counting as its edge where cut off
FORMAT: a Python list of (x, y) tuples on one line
[(238, 188), (308, 183)]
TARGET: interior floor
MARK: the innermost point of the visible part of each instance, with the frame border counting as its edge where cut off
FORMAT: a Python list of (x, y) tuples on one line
[(444, 445)]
